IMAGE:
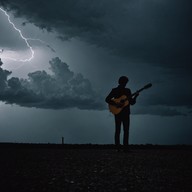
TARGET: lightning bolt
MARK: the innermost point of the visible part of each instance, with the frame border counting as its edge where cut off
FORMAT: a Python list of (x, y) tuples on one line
[(24, 38)]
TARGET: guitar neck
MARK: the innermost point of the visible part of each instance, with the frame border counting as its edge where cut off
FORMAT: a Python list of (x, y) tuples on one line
[(137, 92), (145, 87)]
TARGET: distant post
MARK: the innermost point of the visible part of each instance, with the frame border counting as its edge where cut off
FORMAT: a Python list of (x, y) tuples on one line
[(62, 140)]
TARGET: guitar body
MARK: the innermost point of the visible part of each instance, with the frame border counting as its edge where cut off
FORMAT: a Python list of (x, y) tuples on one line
[(124, 101), (121, 100)]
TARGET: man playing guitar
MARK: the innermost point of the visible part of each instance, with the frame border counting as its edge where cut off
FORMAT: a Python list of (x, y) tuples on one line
[(121, 109)]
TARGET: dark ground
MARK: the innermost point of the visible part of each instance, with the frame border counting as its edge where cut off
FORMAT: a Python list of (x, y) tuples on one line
[(58, 168)]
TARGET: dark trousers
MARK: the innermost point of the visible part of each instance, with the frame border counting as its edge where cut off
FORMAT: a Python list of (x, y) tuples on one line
[(119, 119)]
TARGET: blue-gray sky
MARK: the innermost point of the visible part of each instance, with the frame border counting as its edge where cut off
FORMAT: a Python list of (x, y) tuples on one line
[(61, 92)]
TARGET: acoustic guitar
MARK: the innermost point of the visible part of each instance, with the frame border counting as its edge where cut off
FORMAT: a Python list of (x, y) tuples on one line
[(123, 101)]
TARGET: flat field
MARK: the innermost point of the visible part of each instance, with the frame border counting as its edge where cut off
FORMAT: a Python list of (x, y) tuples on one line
[(57, 168)]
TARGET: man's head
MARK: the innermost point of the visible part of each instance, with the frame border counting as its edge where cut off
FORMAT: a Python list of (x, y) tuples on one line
[(123, 81)]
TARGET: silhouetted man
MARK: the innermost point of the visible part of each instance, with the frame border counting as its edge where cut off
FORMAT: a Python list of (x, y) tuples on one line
[(123, 115)]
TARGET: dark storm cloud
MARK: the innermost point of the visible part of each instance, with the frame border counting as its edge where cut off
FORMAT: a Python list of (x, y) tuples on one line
[(62, 89), (176, 100), (157, 32), (159, 110)]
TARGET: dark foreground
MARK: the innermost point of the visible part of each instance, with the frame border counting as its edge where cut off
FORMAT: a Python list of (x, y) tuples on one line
[(98, 168)]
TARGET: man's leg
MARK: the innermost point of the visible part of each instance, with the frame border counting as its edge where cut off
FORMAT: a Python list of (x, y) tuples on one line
[(126, 131), (117, 130)]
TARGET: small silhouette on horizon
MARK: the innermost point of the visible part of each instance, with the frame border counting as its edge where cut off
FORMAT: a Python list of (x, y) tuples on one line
[(119, 100)]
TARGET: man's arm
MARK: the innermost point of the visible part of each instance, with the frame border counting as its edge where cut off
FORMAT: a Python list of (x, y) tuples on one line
[(133, 99), (109, 98)]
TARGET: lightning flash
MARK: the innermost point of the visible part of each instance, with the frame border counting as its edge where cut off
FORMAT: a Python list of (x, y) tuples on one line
[(24, 38), (26, 41)]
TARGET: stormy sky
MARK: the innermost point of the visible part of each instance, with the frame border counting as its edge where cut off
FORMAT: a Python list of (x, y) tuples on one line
[(83, 47)]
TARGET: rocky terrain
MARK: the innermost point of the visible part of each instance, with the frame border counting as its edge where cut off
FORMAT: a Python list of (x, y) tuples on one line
[(57, 168)]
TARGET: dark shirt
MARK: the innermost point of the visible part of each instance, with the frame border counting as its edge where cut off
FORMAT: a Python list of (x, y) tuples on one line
[(118, 92)]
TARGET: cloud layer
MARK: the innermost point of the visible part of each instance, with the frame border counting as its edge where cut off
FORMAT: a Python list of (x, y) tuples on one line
[(156, 32), (63, 89), (59, 90)]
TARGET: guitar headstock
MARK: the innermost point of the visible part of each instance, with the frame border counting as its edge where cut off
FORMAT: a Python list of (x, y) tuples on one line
[(148, 86), (145, 87)]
